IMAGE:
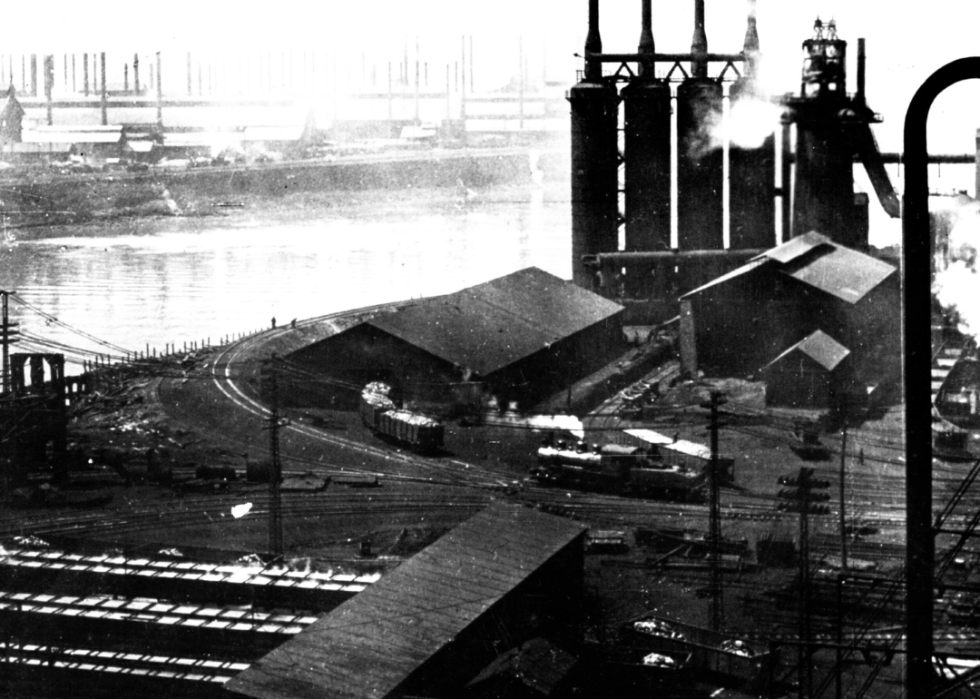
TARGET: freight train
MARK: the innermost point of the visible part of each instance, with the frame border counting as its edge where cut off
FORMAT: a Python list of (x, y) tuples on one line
[(616, 468), (384, 418)]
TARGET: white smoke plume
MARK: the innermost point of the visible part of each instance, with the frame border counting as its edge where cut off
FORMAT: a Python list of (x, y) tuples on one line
[(956, 230), (752, 118)]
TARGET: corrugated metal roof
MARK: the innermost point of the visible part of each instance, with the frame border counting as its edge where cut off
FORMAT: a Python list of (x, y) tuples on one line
[(821, 348), (545, 300), (842, 272), (795, 247), (490, 326), (817, 261), (371, 644)]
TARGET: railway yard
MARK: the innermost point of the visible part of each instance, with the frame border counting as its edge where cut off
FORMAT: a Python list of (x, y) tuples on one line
[(355, 507)]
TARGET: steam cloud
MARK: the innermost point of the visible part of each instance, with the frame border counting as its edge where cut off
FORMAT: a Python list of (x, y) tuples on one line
[(956, 230), (752, 118)]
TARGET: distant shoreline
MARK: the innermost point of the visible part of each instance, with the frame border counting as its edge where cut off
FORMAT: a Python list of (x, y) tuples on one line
[(40, 198)]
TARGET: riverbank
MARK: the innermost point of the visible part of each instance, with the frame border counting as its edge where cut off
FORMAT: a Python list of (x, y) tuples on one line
[(37, 198)]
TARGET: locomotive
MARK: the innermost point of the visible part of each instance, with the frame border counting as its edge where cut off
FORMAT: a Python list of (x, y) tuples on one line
[(384, 418), (615, 468)]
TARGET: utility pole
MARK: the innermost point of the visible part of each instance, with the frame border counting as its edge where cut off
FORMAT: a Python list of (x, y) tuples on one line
[(843, 522), (801, 498), (275, 475), (716, 591), (8, 336)]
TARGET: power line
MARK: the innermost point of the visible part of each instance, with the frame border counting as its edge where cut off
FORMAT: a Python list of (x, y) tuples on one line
[(70, 328)]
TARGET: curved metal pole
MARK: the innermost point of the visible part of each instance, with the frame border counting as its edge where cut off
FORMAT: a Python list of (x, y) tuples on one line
[(916, 297)]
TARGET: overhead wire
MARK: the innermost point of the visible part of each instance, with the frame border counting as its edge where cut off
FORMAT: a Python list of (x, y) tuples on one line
[(56, 321)]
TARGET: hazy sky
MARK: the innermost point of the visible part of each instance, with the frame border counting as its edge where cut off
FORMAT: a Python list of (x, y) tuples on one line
[(904, 43)]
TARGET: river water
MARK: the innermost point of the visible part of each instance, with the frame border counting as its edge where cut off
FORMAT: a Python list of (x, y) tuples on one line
[(152, 281), (138, 282)]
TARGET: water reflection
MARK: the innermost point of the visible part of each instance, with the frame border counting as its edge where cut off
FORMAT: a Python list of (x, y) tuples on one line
[(169, 280)]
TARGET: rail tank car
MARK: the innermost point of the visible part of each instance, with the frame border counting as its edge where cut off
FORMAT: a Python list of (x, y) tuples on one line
[(615, 468)]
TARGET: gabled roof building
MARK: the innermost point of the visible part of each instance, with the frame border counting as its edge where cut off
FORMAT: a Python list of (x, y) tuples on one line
[(769, 311), (518, 338), (811, 373)]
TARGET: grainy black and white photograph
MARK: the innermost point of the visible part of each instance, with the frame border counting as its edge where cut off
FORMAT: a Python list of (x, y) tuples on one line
[(556, 349)]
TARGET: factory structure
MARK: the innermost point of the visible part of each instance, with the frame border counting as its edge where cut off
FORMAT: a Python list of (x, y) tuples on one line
[(779, 285), (512, 340), (798, 227), (810, 296), (787, 260)]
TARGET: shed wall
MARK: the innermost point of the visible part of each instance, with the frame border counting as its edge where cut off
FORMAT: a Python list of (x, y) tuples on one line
[(544, 604), (363, 354), (798, 381), (744, 323)]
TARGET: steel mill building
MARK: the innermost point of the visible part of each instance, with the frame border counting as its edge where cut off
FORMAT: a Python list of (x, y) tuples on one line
[(750, 318), (518, 338)]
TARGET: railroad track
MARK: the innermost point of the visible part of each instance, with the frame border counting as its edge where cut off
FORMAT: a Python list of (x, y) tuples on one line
[(229, 410), (215, 510), (225, 372)]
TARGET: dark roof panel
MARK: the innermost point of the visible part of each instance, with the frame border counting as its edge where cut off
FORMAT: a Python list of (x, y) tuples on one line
[(546, 301), (464, 331), (796, 247), (815, 260), (492, 325), (372, 643)]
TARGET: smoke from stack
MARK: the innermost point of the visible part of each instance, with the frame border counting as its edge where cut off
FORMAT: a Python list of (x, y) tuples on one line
[(753, 117), (955, 226)]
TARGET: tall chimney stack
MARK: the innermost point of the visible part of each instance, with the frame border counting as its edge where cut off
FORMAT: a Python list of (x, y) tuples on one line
[(859, 96), (699, 45), (593, 45), (646, 46)]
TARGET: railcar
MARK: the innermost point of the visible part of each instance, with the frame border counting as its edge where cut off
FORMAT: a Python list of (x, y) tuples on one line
[(708, 651), (690, 455), (615, 468), (384, 418)]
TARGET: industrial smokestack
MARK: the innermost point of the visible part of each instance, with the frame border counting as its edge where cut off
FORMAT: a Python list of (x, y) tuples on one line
[(595, 160), (699, 45), (750, 48), (859, 96), (646, 47), (593, 44)]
